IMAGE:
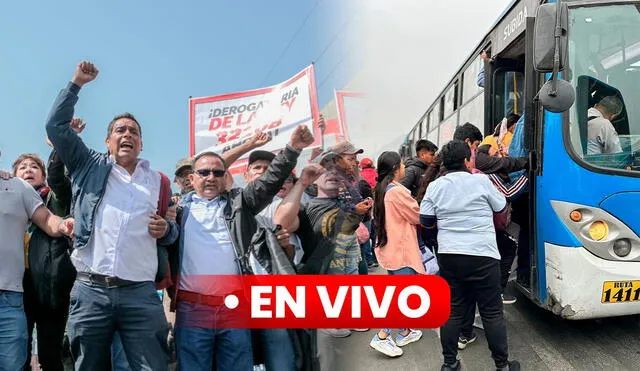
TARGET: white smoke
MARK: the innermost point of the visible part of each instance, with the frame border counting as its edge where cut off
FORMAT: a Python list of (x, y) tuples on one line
[(409, 50)]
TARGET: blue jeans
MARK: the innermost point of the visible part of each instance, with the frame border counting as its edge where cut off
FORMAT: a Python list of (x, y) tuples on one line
[(118, 356), (96, 313), (405, 271), (196, 343), (368, 246), (13, 331), (278, 350)]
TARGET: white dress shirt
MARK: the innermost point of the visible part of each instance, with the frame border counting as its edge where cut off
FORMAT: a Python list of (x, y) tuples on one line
[(120, 244)]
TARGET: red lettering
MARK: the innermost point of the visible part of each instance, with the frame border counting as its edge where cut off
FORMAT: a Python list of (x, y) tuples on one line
[(289, 103), (215, 123), (227, 122)]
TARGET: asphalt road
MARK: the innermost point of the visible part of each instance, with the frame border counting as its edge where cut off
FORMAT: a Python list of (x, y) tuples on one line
[(537, 338)]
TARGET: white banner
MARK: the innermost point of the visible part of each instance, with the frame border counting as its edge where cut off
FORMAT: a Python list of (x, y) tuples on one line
[(223, 122), (352, 114)]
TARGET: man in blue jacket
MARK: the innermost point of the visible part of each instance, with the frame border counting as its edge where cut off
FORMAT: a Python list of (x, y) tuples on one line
[(116, 233)]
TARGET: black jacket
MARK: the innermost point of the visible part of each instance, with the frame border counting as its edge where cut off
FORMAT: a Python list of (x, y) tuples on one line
[(414, 169), (499, 165), (51, 274)]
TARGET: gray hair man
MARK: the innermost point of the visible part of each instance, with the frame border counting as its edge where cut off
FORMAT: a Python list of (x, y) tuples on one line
[(602, 136)]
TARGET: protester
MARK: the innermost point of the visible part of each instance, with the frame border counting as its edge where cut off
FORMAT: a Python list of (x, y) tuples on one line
[(369, 174), (49, 273), (115, 239), (458, 210), (216, 230), (19, 204), (415, 167), (396, 215), (181, 179), (326, 224)]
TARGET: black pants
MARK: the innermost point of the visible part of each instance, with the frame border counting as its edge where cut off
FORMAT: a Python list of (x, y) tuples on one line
[(474, 280), (50, 325), (520, 216)]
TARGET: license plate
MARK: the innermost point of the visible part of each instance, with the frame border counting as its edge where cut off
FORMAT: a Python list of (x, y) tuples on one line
[(620, 291)]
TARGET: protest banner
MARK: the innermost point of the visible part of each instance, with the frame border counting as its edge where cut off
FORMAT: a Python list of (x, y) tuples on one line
[(351, 113), (220, 123)]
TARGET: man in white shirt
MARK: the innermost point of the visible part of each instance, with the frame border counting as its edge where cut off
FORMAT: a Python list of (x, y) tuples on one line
[(602, 136), (19, 205), (117, 230)]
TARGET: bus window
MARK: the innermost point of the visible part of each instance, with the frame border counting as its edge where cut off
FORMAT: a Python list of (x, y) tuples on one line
[(509, 94), (604, 65)]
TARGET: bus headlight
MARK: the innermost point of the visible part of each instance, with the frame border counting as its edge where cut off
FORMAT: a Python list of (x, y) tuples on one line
[(598, 230), (622, 247)]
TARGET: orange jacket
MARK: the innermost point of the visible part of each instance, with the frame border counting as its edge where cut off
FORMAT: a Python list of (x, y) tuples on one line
[(402, 214)]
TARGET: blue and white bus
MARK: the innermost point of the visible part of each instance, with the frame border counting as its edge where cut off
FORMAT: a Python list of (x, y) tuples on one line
[(584, 207)]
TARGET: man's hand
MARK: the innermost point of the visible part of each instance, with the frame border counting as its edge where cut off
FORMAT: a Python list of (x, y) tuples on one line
[(66, 227), (301, 138), (259, 139), (77, 124), (5, 175), (310, 174), (172, 213), (158, 226), (321, 124), (283, 237), (364, 206), (85, 72)]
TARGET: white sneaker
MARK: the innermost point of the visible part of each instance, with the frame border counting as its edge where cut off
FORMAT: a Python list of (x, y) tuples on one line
[(412, 336), (385, 346), (360, 329), (337, 332)]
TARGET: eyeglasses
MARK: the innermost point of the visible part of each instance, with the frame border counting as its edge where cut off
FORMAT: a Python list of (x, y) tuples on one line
[(206, 172)]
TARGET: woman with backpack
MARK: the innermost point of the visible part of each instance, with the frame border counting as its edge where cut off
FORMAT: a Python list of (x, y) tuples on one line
[(396, 215)]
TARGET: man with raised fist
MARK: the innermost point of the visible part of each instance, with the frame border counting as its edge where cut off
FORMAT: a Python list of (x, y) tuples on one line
[(117, 230), (217, 226)]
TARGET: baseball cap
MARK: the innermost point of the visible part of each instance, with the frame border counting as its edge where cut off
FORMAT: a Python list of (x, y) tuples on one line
[(346, 148), (186, 162), (366, 162), (261, 155)]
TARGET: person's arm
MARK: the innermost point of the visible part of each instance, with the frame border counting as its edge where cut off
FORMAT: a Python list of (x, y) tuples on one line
[(258, 140), (611, 139), (286, 215), (50, 223), (58, 180), (489, 164), (66, 142), (428, 219), (399, 199), (496, 200), (258, 194)]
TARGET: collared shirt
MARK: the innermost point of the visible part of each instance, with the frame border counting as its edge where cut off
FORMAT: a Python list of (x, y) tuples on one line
[(18, 202), (602, 136), (207, 248), (120, 244)]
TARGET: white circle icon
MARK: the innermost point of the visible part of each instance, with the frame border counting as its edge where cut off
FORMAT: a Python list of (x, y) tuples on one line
[(231, 301)]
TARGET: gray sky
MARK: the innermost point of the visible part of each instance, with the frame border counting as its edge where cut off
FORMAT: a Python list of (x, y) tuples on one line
[(409, 50)]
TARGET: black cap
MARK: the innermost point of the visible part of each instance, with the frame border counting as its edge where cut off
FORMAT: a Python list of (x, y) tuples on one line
[(261, 155)]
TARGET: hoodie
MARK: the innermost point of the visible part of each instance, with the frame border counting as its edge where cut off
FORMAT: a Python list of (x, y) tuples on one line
[(369, 174), (413, 173)]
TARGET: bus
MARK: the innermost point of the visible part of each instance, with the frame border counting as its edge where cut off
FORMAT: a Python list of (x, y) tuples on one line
[(584, 206)]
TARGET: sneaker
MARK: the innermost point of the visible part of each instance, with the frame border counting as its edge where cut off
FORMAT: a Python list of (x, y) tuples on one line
[(511, 366), (337, 332), (453, 367), (360, 329), (412, 336), (372, 264), (463, 341), (508, 299), (385, 346)]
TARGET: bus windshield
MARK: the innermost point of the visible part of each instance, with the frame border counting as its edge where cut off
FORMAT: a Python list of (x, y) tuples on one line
[(604, 68)]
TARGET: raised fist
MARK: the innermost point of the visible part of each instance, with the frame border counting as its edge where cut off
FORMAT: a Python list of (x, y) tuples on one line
[(321, 124), (301, 138), (85, 72), (259, 139), (310, 174), (77, 125)]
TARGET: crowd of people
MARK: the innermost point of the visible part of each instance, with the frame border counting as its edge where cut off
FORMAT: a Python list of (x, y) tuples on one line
[(114, 270)]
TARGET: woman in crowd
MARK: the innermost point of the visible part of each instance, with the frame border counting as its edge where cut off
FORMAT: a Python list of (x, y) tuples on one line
[(49, 274), (396, 215)]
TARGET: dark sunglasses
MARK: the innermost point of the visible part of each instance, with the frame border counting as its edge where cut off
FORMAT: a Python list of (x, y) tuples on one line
[(206, 172)]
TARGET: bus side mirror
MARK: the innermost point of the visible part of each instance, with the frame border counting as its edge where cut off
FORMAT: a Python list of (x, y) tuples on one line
[(550, 46)]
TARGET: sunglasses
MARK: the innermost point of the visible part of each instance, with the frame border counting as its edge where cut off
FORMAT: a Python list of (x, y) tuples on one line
[(206, 172)]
